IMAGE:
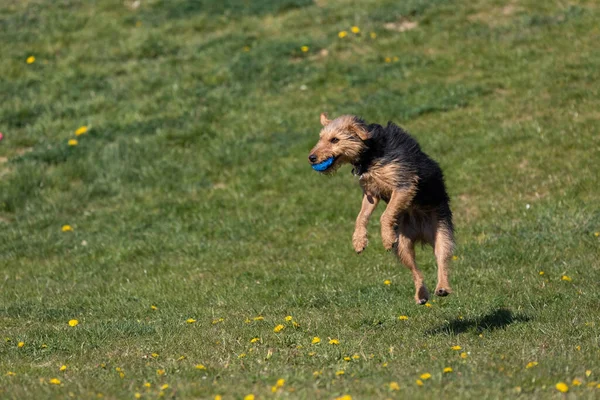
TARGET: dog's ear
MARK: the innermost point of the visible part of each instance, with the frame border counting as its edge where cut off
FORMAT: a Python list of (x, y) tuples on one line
[(358, 129), (324, 120)]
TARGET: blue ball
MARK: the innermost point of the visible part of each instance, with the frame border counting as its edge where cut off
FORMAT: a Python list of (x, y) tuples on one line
[(322, 166)]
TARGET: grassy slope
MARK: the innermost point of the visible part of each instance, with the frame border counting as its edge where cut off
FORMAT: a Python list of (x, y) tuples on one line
[(192, 193)]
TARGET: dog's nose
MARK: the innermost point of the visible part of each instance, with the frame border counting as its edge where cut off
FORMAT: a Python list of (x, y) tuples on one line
[(312, 158)]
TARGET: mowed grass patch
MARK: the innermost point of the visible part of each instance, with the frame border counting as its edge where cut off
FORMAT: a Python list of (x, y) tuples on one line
[(198, 228)]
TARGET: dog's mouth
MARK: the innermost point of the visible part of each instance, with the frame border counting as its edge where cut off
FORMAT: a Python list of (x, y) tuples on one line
[(324, 165)]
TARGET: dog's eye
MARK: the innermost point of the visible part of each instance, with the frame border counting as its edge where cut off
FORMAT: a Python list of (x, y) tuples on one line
[(334, 140)]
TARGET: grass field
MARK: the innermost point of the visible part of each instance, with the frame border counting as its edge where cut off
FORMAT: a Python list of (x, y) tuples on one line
[(190, 198)]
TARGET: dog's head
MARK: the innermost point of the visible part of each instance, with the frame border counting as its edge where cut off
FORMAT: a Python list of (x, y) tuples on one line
[(341, 141)]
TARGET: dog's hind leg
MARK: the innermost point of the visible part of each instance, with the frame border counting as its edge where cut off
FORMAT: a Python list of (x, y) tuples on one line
[(443, 248), (406, 254)]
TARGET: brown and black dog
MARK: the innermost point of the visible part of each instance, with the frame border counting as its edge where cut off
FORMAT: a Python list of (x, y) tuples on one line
[(391, 167)]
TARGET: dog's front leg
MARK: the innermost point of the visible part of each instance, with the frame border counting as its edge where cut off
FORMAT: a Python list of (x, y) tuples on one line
[(359, 238), (399, 201)]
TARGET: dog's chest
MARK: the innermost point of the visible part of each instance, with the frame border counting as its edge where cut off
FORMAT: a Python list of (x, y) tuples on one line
[(380, 181)]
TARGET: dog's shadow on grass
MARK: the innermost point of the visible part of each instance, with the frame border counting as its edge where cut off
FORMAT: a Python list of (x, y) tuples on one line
[(497, 319)]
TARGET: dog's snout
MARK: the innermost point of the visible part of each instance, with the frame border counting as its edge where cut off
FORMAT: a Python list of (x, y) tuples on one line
[(312, 158)]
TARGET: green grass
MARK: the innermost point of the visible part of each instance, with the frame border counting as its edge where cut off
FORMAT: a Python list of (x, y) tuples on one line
[(191, 192)]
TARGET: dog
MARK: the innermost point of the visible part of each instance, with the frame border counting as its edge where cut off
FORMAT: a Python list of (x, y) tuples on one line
[(391, 166)]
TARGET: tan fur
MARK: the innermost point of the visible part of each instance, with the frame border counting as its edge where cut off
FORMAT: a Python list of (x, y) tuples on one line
[(359, 238), (406, 254), (444, 246), (349, 146)]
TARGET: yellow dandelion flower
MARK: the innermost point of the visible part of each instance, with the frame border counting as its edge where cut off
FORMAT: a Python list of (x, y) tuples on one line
[(463, 355), (355, 29), (562, 387), (531, 364), (247, 321), (578, 348), (384, 364), (190, 320), (344, 397), (181, 358), (373, 35), (249, 397), (316, 340), (200, 366), (81, 130), (542, 272), (217, 320), (137, 395), (62, 368), (242, 355), (576, 382), (457, 347), (10, 373), (455, 258), (588, 373), (259, 318), (403, 318), (428, 305), (165, 386), (73, 142), (347, 358), (317, 373), (160, 372), (334, 341), (288, 318), (280, 383), (340, 372), (565, 278), (154, 308), (122, 375), (596, 234), (425, 376), (254, 340), (147, 384), (295, 324), (218, 397), (598, 387), (30, 60), (304, 49), (419, 382), (356, 356), (448, 369), (278, 328), (20, 344), (273, 389), (387, 282), (54, 381), (342, 34), (394, 386), (154, 355), (43, 346), (66, 228), (312, 353)]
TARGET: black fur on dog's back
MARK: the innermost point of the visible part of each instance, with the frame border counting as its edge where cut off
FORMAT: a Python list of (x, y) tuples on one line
[(392, 144)]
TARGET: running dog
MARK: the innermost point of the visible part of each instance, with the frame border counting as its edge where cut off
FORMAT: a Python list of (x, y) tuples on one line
[(391, 166)]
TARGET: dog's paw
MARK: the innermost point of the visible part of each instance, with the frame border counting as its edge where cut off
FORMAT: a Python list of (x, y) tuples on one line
[(359, 241), (443, 291), (421, 296), (388, 238)]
